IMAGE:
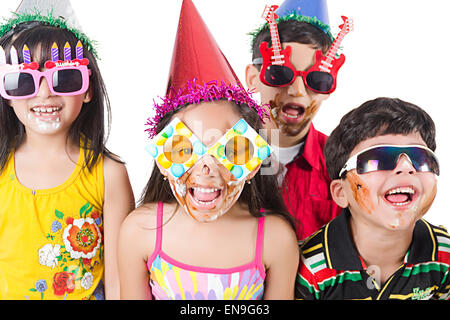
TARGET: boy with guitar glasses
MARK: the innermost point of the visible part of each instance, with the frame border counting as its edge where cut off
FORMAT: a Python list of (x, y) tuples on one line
[(294, 69)]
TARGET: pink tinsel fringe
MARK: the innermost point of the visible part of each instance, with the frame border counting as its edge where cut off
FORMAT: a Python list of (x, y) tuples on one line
[(196, 93)]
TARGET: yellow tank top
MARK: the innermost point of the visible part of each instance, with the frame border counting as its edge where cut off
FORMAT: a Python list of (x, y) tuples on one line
[(51, 241)]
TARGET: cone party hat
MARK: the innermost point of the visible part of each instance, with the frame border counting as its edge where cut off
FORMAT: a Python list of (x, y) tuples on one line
[(199, 70), (56, 13), (314, 12), (196, 53), (306, 8), (57, 8)]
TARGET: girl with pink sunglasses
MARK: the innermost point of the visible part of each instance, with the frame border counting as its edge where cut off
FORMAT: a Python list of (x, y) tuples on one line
[(63, 193)]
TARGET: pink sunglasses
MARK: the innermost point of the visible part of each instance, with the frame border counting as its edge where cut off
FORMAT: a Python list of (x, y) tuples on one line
[(64, 78)]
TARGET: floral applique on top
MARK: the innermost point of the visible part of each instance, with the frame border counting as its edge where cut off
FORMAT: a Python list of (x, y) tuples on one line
[(54, 236), (81, 251)]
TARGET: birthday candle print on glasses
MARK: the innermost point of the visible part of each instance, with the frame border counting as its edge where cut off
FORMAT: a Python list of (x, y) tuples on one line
[(241, 149), (65, 78)]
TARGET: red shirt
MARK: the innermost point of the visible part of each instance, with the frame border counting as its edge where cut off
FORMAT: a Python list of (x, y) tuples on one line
[(306, 187)]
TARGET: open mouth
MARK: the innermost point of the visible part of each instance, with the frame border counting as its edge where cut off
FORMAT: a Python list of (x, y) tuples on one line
[(205, 198), (401, 196), (292, 113)]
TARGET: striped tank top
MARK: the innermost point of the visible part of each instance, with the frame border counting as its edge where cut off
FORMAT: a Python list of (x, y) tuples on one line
[(173, 280)]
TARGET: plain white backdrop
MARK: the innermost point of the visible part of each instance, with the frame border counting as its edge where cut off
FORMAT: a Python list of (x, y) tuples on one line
[(398, 49)]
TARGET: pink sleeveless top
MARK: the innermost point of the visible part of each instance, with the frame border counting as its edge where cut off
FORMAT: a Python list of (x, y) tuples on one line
[(173, 280)]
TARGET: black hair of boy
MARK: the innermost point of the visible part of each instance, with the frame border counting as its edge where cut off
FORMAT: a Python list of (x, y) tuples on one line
[(293, 31), (373, 118)]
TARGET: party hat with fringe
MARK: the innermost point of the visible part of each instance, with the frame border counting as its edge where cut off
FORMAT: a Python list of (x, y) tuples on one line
[(199, 70)]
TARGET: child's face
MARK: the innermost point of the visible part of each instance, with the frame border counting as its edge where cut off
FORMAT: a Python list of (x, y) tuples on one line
[(207, 190), (47, 113), (293, 107), (368, 195)]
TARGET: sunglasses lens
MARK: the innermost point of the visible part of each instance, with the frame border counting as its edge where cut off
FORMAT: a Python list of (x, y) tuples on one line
[(386, 158), (320, 81), (423, 160), (18, 84), (382, 158), (178, 149), (67, 80), (239, 150), (278, 75)]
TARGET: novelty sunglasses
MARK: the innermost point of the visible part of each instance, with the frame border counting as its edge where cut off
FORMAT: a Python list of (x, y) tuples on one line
[(385, 157), (64, 79), (241, 149), (278, 71), (284, 75)]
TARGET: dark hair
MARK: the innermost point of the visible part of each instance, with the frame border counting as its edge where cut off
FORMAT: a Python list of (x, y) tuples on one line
[(294, 31), (373, 118), (89, 127), (262, 192)]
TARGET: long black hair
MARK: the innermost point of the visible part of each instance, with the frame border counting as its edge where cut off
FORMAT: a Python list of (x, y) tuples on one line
[(89, 128), (262, 192)]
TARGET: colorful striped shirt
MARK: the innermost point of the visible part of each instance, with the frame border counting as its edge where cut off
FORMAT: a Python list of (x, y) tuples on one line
[(174, 280), (331, 267)]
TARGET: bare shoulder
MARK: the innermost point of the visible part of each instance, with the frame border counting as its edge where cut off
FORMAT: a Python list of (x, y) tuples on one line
[(114, 169), (142, 218), (276, 227), (279, 238), (138, 232)]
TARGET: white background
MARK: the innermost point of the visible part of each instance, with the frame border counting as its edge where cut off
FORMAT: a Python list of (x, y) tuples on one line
[(398, 49)]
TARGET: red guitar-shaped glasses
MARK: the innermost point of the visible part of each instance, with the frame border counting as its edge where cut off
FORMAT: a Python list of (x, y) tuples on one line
[(278, 71)]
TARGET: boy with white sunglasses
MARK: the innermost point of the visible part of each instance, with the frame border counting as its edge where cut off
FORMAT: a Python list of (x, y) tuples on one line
[(382, 162)]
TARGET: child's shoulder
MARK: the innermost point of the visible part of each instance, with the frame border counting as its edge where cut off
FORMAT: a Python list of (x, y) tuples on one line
[(139, 229), (113, 166), (278, 233), (276, 224), (145, 216)]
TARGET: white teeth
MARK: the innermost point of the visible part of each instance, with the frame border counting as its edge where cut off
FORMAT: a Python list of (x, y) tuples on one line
[(45, 110), (402, 190), (291, 116), (399, 204), (203, 202), (206, 190)]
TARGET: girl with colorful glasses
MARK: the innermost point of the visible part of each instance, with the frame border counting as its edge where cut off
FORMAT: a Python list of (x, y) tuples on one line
[(63, 194), (211, 225)]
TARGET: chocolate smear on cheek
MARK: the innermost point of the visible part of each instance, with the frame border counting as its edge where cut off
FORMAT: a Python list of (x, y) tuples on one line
[(275, 108), (180, 191), (361, 193), (310, 112)]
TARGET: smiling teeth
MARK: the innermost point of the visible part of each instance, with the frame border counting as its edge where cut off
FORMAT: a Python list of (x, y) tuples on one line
[(45, 110), (402, 190), (399, 204), (206, 190)]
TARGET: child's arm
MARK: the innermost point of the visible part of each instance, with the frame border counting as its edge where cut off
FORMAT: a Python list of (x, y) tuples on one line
[(135, 245), (118, 202), (280, 257)]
